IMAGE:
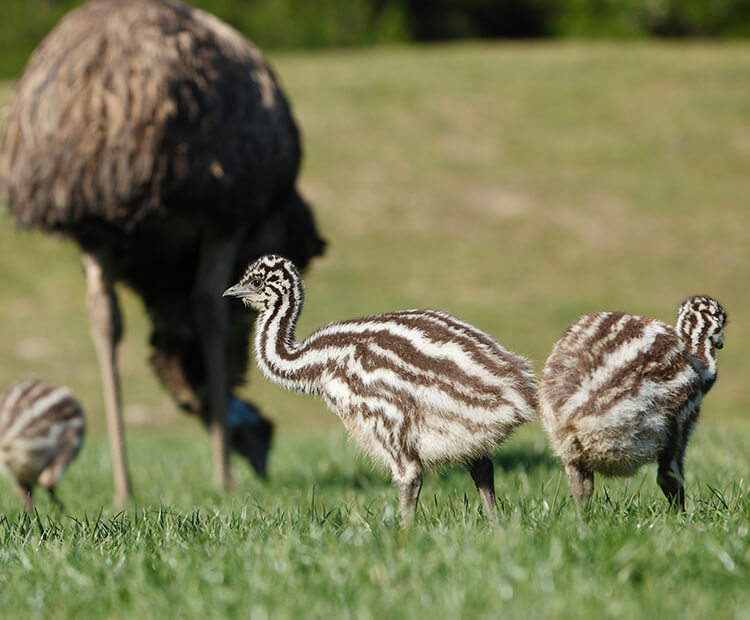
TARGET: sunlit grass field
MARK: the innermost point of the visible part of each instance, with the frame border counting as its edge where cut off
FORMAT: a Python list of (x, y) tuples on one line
[(516, 186), (321, 540)]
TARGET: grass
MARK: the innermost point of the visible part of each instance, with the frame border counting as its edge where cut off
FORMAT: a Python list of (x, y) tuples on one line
[(516, 186), (321, 540)]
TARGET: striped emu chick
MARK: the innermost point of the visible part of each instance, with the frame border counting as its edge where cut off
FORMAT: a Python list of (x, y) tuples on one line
[(415, 388), (620, 390), (41, 431)]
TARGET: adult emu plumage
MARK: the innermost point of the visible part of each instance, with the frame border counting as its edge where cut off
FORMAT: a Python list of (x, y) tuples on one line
[(158, 138)]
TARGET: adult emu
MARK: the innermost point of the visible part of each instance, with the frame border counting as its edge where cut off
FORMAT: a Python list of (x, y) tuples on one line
[(157, 137)]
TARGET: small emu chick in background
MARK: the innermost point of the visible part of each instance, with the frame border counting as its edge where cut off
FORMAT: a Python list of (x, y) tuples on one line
[(41, 431), (620, 390), (414, 388)]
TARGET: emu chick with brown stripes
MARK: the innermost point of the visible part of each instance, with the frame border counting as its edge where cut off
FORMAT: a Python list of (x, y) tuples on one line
[(620, 390), (41, 431), (414, 388)]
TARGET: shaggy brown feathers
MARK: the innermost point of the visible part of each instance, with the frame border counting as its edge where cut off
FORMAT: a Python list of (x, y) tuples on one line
[(132, 106), (152, 134)]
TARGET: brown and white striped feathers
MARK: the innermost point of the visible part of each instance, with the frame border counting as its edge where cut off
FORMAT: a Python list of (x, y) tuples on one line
[(617, 388), (416, 384), (700, 324), (41, 431)]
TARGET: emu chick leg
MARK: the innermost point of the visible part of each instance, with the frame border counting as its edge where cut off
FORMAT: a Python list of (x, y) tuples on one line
[(670, 479), (51, 474), (483, 474), (53, 496), (26, 493), (106, 332), (408, 494), (581, 482)]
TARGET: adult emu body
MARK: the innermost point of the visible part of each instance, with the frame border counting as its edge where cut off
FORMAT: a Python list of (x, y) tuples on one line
[(158, 139)]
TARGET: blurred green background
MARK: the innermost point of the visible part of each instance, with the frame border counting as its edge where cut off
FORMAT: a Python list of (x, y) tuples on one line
[(295, 24), (516, 185)]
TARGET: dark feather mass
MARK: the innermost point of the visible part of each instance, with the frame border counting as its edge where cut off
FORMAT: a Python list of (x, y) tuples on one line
[(147, 131)]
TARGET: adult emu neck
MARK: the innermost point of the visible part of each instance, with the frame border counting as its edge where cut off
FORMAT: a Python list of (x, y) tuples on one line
[(281, 358)]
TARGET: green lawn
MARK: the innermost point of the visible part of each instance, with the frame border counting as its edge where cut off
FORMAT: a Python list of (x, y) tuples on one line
[(321, 540), (516, 186)]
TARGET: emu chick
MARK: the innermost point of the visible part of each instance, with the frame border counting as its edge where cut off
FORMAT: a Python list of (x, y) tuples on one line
[(41, 431), (620, 390)]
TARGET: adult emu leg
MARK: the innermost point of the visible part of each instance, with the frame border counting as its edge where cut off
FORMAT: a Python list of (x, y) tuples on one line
[(106, 332), (212, 318)]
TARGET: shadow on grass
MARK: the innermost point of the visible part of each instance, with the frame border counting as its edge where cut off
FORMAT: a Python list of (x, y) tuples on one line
[(344, 478), (522, 458), (517, 458)]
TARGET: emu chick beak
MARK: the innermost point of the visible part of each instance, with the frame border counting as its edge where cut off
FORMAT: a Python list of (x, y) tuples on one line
[(235, 291)]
